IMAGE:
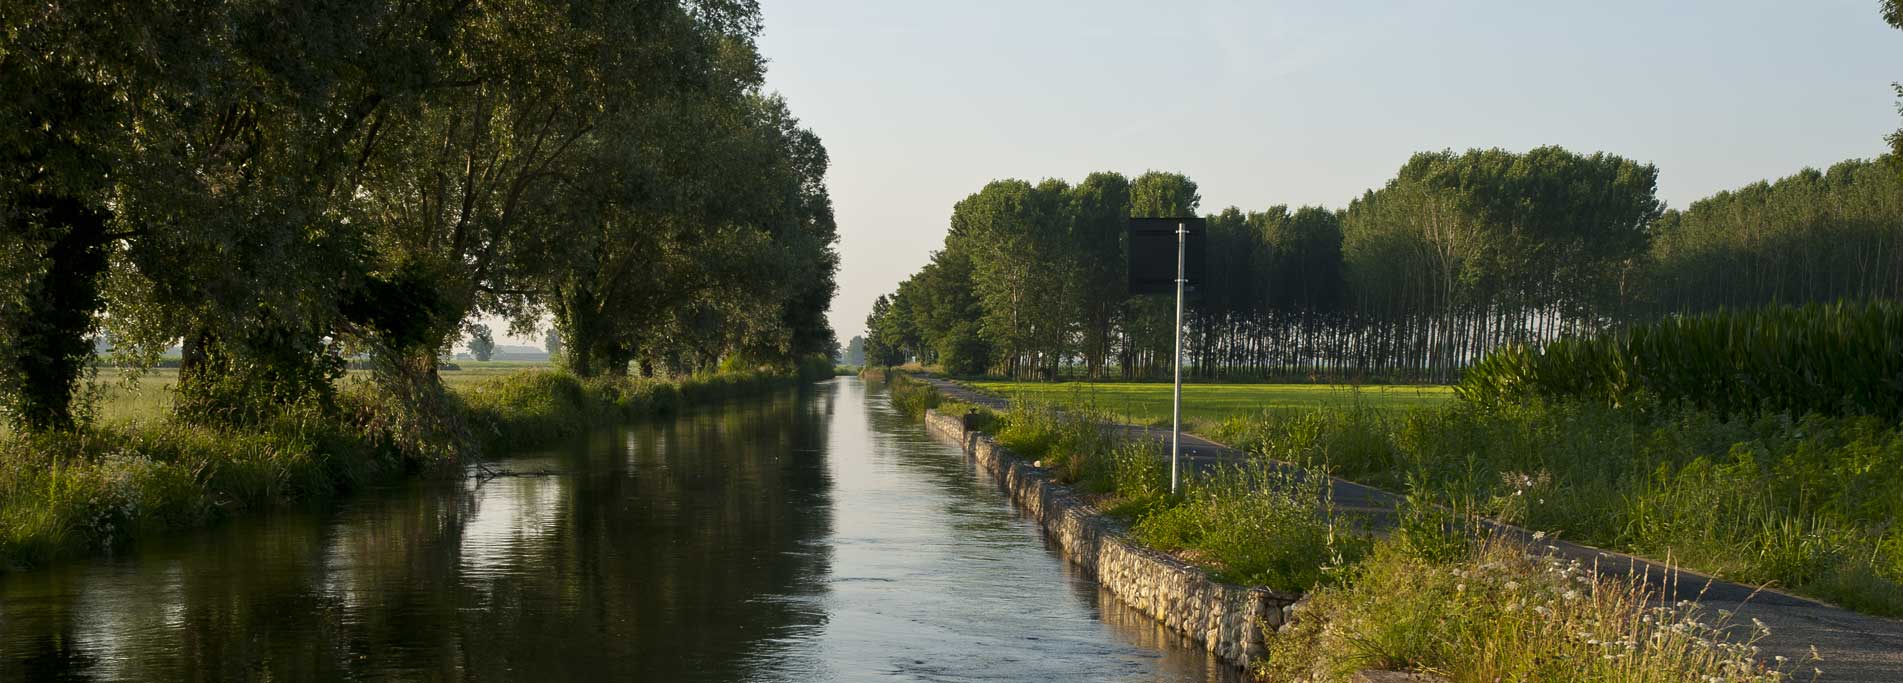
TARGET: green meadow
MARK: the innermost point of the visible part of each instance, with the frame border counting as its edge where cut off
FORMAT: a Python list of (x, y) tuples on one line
[(1149, 402), (124, 396)]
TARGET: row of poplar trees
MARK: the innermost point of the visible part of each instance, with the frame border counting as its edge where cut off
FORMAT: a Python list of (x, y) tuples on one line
[(281, 186), (1456, 255)]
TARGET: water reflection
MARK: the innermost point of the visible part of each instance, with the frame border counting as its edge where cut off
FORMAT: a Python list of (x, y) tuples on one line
[(812, 536)]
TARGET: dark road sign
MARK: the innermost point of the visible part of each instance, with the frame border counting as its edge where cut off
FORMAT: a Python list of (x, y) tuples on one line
[(1153, 254)]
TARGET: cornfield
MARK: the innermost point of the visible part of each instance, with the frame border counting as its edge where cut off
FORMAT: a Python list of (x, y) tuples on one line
[(1835, 359)]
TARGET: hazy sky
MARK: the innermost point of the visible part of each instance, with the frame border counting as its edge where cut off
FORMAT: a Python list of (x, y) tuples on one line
[(1264, 103)]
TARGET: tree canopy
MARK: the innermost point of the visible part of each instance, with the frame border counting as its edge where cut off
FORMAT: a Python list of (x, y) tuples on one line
[(1458, 254), (281, 186)]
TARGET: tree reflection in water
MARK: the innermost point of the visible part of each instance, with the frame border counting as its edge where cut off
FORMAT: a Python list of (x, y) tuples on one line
[(666, 550)]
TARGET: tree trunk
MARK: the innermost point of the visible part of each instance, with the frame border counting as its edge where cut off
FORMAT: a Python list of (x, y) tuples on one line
[(49, 348)]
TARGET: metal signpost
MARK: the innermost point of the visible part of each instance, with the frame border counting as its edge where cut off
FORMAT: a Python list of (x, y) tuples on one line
[(1148, 274)]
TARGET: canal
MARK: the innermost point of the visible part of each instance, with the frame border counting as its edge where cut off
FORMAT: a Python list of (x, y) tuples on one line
[(813, 535)]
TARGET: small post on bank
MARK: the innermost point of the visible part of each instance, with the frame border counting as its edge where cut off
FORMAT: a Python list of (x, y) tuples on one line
[(1176, 400)]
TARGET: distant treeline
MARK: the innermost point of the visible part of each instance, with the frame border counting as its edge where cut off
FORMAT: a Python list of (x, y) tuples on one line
[(281, 186), (1455, 256)]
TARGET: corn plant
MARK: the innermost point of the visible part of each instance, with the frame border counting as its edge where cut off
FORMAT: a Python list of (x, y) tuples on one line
[(1834, 359)]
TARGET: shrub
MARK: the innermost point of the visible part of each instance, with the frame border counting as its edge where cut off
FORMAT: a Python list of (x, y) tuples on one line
[(97, 487), (1838, 359), (911, 396), (1810, 504), (1075, 445), (1257, 524), (1500, 613)]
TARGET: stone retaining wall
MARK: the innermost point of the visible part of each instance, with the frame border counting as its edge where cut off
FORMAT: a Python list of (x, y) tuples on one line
[(1227, 619)]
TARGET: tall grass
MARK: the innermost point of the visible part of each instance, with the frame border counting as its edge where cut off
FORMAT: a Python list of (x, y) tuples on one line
[(67, 493), (911, 396), (64, 493), (1838, 359), (1498, 612), (1809, 504), (1257, 524)]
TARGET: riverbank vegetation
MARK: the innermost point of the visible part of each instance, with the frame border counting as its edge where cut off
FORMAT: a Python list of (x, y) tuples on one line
[(101, 486), (1806, 504), (1758, 446), (310, 206), (1457, 255), (1431, 594), (1490, 611)]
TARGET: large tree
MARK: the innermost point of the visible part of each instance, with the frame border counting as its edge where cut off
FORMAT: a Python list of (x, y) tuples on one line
[(1147, 322), (196, 148), (75, 76), (280, 184), (1100, 209), (1017, 237)]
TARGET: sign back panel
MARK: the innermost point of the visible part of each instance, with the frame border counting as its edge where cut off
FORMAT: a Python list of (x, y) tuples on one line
[(1152, 245)]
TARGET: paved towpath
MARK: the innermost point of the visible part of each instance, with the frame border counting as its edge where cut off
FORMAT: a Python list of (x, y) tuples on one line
[(1856, 648)]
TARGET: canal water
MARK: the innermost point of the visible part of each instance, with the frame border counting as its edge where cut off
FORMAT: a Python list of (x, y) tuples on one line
[(813, 535)]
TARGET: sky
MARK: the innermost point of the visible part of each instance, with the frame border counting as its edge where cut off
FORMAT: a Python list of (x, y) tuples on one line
[(1263, 103)]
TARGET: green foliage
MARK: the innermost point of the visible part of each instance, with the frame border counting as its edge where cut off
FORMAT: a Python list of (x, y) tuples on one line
[(279, 185), (220, 385), (1457, 254), (47, 314), (1258, 524), (1076, 446), (482, 342), (1833, 359), (1815, 236), (1495, 612), (855, 354), (1162, 194), (1210, 404), (1808, 504), (912, 396), (1428, 596), (95, 487)]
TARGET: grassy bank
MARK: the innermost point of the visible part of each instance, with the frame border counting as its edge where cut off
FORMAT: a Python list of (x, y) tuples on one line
[(1426, 597), (1494, 612), (1149, 402), (1808, 504), (72, 493)]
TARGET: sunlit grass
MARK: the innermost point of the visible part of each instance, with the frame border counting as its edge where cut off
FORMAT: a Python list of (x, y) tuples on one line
[(1807, 504), (1149, 402), (1498, 612)]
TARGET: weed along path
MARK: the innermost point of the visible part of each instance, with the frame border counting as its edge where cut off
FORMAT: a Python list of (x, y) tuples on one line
[(1848, 646)]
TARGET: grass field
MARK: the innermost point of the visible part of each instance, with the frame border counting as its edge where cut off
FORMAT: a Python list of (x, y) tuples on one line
[(1149, 402), (124, 399)]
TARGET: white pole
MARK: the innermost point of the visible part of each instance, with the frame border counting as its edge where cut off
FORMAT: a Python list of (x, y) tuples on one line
[(1176, 402)]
